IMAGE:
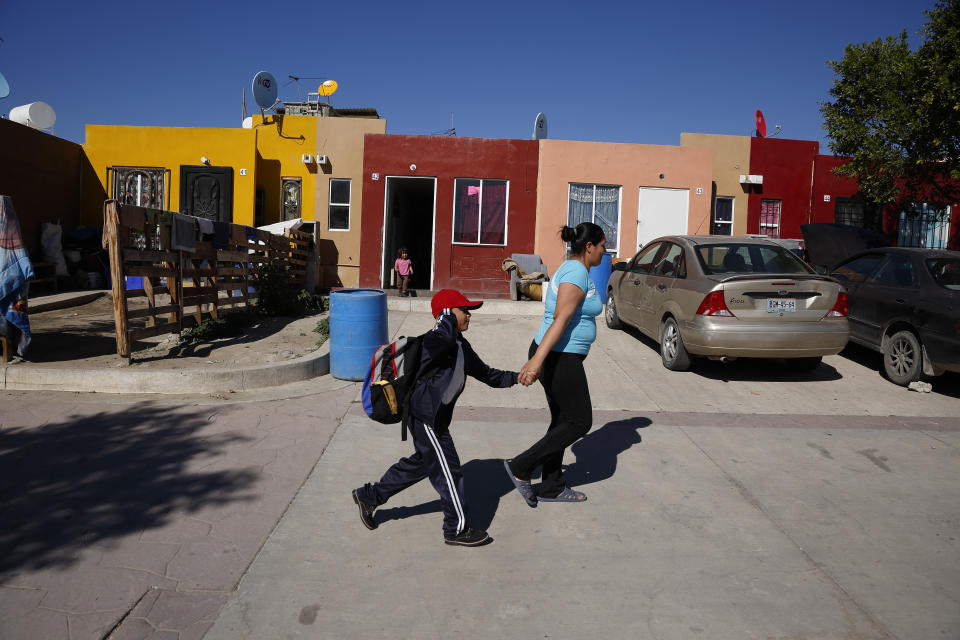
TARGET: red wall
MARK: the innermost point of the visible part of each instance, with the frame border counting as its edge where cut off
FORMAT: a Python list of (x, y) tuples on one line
[(787, 169), (471, 269), (825, 183)]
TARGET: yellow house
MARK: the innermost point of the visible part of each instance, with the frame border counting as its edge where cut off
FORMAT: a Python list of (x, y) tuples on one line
[(278, 167)]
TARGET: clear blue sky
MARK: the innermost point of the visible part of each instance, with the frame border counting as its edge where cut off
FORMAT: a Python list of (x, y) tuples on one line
[(630, 71)]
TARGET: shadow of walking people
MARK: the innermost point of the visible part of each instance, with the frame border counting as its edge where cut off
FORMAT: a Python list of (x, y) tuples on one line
[(596, 460)]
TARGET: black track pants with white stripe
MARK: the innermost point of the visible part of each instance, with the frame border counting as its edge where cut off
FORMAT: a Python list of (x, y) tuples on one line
[(435, 457)]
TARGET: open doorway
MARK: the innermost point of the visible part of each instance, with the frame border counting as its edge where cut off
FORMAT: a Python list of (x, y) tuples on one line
[(408, 222)]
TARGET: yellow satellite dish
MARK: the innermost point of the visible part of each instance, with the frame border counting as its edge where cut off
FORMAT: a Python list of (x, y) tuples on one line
[(328, 88)]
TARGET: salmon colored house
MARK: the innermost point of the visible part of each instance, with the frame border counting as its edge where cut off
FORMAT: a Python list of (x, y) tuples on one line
[(458, 205), (636, 192)]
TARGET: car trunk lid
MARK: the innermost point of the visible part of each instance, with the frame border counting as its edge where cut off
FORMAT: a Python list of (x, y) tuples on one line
[(794, 299)]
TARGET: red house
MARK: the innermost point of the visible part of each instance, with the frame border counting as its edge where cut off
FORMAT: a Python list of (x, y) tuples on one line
[(458, 205), (779, 205)]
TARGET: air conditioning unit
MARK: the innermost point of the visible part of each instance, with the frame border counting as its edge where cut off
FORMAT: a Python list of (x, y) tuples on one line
[(307, 158), (322, 160), (751, 179)]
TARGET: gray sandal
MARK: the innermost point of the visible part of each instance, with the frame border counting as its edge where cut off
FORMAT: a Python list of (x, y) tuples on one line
[(567, 495), (523, 486)]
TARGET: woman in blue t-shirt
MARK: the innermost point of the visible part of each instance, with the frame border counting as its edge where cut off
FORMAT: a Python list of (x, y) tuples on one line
[(556, 358)]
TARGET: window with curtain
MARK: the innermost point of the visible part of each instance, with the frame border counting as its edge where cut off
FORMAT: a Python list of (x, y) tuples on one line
[(770, 218), (339, 205), (479, 211), (596, 203), (722, 216)]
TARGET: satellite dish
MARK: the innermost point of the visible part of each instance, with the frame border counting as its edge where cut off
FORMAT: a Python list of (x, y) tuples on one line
[(37, 115), (4, 87), (265, 89), (761, 125), (328, 88), (540, 127)]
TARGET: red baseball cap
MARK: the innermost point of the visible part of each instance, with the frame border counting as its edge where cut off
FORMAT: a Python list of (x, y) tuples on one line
[(450, 299)]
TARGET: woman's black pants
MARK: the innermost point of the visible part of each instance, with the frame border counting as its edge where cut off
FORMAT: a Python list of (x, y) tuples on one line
[(571, 415)]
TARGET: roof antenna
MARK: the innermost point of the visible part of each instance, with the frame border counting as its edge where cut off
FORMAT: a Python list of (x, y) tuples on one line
[(297, 80)]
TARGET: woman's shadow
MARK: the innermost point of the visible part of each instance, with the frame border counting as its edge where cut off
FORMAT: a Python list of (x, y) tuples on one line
[(487, 482)]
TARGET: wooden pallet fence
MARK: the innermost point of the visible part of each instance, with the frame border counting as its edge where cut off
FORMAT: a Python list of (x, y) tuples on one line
[(180, 286), (301, 243)]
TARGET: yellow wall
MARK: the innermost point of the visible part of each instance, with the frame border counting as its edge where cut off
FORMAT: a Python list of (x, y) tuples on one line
[(281, 143), (170, 147), (630, 166), (731, 158), (341, 140)]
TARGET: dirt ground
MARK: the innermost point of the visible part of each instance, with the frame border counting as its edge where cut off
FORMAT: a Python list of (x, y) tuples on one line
[(83, 337)]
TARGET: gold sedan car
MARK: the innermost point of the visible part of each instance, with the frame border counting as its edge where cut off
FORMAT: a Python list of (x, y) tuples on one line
[(726, 297)]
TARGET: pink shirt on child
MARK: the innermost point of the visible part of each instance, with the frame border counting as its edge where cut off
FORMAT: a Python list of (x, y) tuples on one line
[(403, 266)]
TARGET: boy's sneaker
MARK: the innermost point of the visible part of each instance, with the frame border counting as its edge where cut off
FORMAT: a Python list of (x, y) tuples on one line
[(366, 512), (469, 538)]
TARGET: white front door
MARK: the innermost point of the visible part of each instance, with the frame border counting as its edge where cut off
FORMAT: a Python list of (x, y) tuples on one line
[(661, 212)]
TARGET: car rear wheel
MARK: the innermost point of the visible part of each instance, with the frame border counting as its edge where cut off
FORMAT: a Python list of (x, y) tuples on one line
[(611, 316), (672, 351), (804, 364), (902, 358)]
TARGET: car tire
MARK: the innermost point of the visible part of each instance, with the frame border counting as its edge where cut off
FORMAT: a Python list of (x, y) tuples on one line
[(611, 315), (804, 364), (903, 358), (672, 351)]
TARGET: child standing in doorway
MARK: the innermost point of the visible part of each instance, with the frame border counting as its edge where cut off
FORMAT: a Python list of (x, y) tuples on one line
[(404, 267)]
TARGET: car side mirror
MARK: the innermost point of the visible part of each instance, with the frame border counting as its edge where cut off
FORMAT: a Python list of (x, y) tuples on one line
[(620, 266)]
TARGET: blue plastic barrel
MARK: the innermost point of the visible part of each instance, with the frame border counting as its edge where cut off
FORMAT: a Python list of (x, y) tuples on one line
[(600, 275), (358, 325)]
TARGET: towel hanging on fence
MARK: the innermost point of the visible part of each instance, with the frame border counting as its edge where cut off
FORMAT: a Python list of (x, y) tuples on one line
[(221, 235), (183, 236), (205, 224)]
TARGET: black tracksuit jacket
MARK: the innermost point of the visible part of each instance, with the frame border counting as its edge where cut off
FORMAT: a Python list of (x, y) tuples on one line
[(438, 358)]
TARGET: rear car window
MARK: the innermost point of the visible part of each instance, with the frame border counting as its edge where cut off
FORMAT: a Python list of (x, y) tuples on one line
[(945, 272), (858, 269), (748, 258)]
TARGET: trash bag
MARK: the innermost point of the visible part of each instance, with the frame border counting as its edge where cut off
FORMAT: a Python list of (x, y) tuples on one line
[(51, 248)]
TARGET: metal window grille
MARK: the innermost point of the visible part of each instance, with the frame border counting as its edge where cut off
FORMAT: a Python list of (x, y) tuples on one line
[(924, 225), (858, 213), (770, 218)]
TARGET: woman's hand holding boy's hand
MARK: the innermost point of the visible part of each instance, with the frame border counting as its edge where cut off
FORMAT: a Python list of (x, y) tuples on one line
[(529, 373)]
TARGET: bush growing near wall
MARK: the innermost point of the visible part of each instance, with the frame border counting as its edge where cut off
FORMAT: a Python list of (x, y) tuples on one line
[(277, 296)]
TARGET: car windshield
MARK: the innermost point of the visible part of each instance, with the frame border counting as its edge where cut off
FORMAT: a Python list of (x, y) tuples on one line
[(737, 257), (946, 272)]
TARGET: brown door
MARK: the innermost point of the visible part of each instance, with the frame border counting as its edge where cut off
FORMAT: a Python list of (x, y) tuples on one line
[(207, 192)]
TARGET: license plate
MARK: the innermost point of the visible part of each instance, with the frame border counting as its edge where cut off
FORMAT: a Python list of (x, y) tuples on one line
[(781, 305)]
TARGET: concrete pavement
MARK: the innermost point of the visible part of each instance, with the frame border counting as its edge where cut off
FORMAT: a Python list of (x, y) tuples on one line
[(738, 501)]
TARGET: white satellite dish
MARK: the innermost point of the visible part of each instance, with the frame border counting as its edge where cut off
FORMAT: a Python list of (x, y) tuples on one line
[(540, 127), (38, 115), (4, 87), (265, 89)]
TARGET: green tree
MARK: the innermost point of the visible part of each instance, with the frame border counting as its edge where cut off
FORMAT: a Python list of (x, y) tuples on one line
[(896, 112)]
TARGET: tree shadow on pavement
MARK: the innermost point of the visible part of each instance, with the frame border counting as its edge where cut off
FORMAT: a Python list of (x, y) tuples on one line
[(90, 478), (487, 482)]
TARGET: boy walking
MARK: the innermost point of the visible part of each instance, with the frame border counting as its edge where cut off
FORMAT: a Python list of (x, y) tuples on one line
[(446, 358)]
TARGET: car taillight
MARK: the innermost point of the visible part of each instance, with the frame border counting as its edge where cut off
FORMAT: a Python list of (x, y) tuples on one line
[(840, 308), (714, 305)]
